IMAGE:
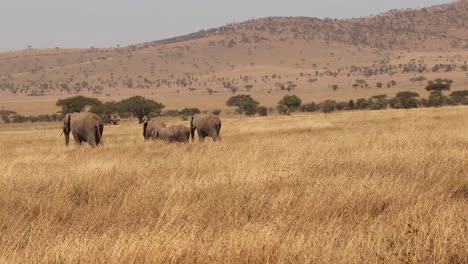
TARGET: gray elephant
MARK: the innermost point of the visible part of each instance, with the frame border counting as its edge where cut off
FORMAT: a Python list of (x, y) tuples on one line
[(178, 133), (85, 127), (207, 125), (151, 125)]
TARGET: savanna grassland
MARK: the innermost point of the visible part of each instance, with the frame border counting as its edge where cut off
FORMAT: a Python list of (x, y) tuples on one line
[(349, 187)]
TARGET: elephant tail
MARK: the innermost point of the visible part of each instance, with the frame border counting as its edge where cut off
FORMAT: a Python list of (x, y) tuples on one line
[(218, 130), (192, 129), (98, 130)]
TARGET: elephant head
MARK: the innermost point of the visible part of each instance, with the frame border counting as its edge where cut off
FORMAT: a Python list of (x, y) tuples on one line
[(67, 128)]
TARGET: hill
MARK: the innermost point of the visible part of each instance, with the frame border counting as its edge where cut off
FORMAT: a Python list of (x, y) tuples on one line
[(265, 57)]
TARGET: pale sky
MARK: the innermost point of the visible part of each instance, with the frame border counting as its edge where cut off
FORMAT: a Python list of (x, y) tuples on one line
[(106, 23)]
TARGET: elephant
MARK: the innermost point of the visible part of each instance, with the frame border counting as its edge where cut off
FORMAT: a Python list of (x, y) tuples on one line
[(207, 125), (85, 127), (178, 133), (151, 125)]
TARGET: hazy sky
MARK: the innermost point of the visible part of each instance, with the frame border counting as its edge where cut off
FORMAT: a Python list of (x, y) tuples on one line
[(105, 23)]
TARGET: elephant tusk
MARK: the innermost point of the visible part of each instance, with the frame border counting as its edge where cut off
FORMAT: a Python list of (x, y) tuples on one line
[(61, 133)]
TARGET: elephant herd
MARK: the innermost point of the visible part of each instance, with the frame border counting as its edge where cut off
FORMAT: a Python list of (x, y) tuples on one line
[(88, 127)]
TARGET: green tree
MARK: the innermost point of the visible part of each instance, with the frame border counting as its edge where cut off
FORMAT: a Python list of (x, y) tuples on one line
[(189, 111), (292, 102), (262, 110), (76, 104), (245, 104), (107, 111), (138, 106), (282, 109), (404, 100), (439, 85), (361, 103), (310, 107), (5, 115), (378, 102), (328, 106), (460, 97)]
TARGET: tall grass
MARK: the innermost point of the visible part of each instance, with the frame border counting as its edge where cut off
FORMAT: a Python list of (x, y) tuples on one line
[(352, 187)]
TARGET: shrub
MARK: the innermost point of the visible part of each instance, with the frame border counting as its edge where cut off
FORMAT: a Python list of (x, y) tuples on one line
[(262, 111), (328, 106), (216, 111), (245, 104), (138, 106), (189, 111), (282, 109), (76, 104), (310, 107), (292, 102)]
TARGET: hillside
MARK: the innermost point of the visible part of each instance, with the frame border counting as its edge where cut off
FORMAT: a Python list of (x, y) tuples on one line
[(264, 57)]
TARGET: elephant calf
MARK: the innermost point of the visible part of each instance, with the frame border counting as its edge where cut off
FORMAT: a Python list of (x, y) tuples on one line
[(85, 127), (149, 126), (178, 133), (207, 125)]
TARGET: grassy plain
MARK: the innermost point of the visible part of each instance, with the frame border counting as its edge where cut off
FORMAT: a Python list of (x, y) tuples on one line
[(351, 187)]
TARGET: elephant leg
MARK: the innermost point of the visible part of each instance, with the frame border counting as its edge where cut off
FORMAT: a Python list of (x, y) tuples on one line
[(77, 139), (92, 141), (201, 136)]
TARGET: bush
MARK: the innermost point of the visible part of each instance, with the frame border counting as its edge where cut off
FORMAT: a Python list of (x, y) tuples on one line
[(310, 107), (292, 102), (262, 111), (245, 104), (216, 112), (342, 106), (76, 104), (378, 102), (282, 109), (404, 100), (189, 111), (361, 103), (139, 107), (328, 106)]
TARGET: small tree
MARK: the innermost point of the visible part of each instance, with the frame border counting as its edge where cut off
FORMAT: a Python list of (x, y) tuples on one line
[(138, 106), (292, 102), (378, 102), (439, 85), (404, 100), (108, 112), (310, 107), (282, 109), (189, 111), (245, 104), (460, 97), (5, 115), (262, 111), (328, 106), (76, 104)]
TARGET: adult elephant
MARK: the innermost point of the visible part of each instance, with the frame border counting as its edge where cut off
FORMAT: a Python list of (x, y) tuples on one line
[(150, 125), (85, 127), (178, 133), (207, 125)]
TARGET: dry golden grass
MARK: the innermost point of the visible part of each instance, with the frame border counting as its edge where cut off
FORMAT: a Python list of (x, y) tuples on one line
[(351, 187)]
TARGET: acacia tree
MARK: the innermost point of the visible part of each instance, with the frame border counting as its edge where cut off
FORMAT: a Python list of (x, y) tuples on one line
[(138, 106), (245, 104), (77, 104), (292, 102), (439, 85)]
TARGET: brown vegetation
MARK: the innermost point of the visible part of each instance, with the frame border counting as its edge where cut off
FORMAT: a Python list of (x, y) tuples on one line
[(351, 187)]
